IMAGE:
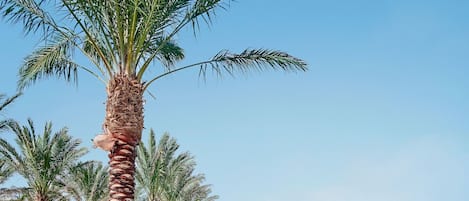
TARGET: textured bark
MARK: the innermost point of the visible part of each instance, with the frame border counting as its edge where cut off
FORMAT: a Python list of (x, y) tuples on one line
[(124, 123)]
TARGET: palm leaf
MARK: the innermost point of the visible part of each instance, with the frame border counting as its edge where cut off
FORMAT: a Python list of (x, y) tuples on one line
[(30, 13), (3, 105), (54, 59), (246, 61), (8, 101)]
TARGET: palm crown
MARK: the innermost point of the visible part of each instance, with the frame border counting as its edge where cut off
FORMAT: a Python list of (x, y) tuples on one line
[(124, 36)]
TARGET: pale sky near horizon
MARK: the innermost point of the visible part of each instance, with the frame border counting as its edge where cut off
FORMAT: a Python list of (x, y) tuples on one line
[(380, 116)]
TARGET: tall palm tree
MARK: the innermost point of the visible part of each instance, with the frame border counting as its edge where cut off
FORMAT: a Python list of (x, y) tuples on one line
[(122, 39), (164, 175), (88, 182), (41, 159)]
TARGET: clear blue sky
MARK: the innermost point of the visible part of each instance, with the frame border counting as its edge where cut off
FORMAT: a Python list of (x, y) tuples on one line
[(382, 114)]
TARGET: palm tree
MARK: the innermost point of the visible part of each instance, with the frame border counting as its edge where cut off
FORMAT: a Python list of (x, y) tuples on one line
[(43, 160), (88, 182), (164, 175), (122, 39)]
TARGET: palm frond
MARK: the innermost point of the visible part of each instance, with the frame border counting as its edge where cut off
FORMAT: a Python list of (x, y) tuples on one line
[(3, 105), (54, 59), (29, 12), (168, 54), (94, 20), (205, 10), (185, 12), (8, 101), (248, 60), (255, 59)]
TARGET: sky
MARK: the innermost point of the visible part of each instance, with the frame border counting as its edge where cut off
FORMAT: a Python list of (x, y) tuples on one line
[(381, 115)]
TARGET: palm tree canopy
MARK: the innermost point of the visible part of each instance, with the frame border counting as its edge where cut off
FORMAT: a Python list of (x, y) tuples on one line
[(41, 159), (165, 175), (125, 36)]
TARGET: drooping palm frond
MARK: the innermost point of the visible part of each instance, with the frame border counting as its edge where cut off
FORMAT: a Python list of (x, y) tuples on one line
[(168, 53), (163, 174), (54, 59), (246, 61), (256, 59), (3, 105), (41, 159), (204, 10), (8, 101), (29, 12)]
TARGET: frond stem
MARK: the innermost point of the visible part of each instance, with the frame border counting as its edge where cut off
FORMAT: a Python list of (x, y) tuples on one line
[(101, 54), (175, 70)]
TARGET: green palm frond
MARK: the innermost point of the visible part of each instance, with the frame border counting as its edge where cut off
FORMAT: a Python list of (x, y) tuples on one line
[(29, 12), (168, 54), (256, 59), (54, 59), (183, 12), (89, 48), (204, 10), (3, 105), (7, 101), (94, 20), (246, 61)]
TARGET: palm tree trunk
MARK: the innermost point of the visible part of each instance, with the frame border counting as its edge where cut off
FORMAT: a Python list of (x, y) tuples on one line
[(124, 121)]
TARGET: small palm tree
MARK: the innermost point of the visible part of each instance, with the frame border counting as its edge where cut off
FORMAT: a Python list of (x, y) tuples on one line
[(88, 182), (122, 39), (43, 160), (164, 175)]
